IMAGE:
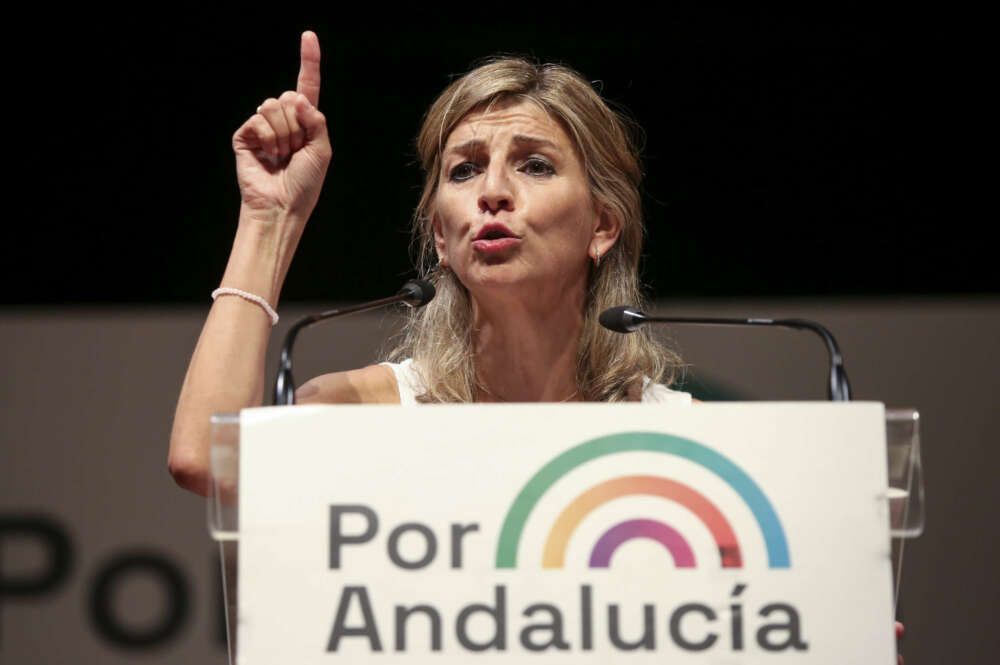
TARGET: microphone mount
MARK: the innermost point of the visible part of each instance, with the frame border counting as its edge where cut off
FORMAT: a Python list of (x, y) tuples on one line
[(415, 293), (629, 319)]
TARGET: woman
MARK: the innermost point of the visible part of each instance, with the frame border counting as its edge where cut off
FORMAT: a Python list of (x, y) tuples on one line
[(529, 226)]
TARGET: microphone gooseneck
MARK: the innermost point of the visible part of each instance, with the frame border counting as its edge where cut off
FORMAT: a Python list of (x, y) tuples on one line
[(415, 293), (625, 319)]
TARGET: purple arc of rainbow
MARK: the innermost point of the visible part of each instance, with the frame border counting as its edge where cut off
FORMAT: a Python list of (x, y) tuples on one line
[(618, 535), (554, 555)]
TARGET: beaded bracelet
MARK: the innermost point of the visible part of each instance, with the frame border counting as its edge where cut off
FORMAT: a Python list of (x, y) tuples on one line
[(257, 300)]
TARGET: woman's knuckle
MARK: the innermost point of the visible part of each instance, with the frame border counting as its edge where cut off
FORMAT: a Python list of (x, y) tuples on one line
[(265, 131)]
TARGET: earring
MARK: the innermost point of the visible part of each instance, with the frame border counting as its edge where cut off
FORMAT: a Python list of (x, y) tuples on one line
[(597, 258)]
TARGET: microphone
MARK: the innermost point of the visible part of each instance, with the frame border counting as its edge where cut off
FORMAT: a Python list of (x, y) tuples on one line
[(627, 319), (622, 319), (415, 293)]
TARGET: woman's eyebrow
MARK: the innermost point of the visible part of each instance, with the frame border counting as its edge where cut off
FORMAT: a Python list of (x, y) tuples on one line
[(522, 139), (470, 146), (477, 145)]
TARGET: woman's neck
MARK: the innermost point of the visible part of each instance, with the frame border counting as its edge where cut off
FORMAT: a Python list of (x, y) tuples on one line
[(527, 352)]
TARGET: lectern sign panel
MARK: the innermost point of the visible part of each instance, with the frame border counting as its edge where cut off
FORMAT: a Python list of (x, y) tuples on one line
[(751, 533)]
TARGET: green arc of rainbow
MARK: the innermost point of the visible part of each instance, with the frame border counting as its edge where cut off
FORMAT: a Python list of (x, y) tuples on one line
[(755, 499)]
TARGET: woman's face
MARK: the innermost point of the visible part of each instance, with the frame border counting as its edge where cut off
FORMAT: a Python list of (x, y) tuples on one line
[(513, 206)]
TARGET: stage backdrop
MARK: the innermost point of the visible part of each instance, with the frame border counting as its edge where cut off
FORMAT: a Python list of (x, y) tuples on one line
[(103, 559)]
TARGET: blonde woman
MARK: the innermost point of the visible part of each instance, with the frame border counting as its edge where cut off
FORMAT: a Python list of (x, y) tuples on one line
[(529, 226)]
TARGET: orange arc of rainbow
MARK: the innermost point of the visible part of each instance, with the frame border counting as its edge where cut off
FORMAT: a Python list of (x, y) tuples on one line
[(554, 555)]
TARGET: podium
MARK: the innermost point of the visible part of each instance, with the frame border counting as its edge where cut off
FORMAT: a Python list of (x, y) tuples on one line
[(564, 532)]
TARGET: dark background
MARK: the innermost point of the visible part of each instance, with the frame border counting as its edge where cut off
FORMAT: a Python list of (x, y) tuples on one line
[(786, 155)]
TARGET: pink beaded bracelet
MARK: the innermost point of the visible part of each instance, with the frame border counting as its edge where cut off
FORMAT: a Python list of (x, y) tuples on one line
[(257, 300)]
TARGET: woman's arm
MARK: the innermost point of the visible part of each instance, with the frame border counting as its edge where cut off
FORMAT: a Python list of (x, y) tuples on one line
[(282, 154)]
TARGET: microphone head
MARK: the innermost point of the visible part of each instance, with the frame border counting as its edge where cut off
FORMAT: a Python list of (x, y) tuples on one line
[(623, 319), (417, 292)]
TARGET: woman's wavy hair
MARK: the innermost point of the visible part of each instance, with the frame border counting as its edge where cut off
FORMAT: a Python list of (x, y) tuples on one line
[(610, 366)]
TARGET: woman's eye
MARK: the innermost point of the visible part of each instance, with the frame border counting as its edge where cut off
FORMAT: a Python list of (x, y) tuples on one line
[(537, 166), (463, 172)]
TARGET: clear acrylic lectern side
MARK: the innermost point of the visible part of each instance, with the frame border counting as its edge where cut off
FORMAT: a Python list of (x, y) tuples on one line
[(906, 486), (224, 510), (905, 496)]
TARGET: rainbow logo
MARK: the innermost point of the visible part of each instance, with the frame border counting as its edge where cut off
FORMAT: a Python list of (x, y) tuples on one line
[(675, 543)]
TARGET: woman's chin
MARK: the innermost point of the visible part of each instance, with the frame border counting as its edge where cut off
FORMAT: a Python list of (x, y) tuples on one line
[(494, 273), (499, 280), (494, 280), (512, 281)]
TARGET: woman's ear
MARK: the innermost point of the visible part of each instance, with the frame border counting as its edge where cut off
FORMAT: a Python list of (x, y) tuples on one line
[(607, 228), (439, 244)]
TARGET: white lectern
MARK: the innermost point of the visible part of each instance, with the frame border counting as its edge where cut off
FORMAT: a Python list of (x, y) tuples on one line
[(735, 532)]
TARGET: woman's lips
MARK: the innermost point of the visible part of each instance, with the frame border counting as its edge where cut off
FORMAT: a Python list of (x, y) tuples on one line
[(496, 244)]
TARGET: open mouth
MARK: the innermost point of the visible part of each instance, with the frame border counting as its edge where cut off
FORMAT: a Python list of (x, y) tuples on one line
[(494, 231), (494, 237)]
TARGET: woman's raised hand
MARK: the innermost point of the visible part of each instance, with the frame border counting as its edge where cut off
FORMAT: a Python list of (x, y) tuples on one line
[(283, 150), (282, 153)]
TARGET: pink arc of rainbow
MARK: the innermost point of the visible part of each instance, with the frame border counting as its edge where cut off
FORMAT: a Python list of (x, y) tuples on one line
[(618, 535), (554, 555)]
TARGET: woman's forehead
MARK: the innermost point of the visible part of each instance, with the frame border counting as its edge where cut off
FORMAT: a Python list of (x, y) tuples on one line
[(520, 118)]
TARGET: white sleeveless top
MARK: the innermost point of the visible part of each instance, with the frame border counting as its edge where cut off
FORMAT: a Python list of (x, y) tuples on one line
[(410, 385)]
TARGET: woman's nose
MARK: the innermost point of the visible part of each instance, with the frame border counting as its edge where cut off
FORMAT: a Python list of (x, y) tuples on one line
[(497, 193)]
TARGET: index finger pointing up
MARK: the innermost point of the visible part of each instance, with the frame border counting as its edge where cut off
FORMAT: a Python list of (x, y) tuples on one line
[(308, 84)]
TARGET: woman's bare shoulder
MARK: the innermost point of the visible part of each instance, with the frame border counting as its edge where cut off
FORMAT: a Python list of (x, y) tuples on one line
[(375, 384)]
